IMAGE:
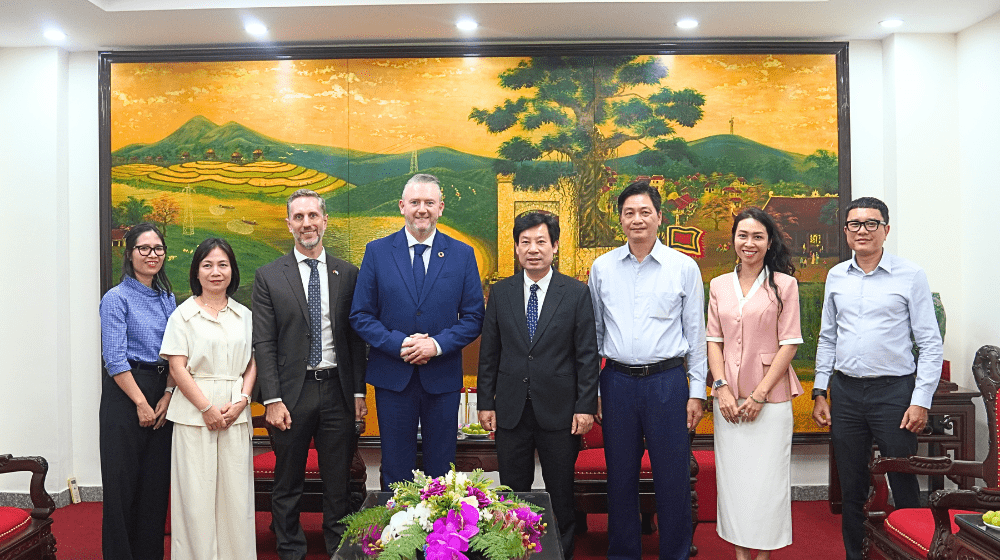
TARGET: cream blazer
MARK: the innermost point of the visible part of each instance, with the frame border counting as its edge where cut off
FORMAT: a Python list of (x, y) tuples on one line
[(218, 352), (752, 332)]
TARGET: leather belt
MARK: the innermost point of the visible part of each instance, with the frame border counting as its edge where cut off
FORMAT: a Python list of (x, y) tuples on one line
[(158, 368), (321, 374), (648, 369)]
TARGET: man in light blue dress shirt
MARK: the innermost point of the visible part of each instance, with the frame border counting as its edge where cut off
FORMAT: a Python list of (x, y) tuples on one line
[(649, 304), (872, 304)]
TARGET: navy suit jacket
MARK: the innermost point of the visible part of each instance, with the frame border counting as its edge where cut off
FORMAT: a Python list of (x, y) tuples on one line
[(387, 309)]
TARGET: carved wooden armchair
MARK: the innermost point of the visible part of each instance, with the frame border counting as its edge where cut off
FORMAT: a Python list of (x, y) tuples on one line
[(925, 532), (28, 535)]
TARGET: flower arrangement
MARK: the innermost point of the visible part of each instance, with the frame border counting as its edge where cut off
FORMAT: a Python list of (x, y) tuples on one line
[(445, 517)]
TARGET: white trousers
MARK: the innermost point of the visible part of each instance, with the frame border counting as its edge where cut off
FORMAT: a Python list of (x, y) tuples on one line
[(211, 494)]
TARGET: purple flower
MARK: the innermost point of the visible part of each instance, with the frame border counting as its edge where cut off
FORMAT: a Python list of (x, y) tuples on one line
[(480, 496), (370, 542), (435, 488), (530, 524), (451, 534)]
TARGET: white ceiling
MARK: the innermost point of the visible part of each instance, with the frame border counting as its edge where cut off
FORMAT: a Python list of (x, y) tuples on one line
[(128, 24)]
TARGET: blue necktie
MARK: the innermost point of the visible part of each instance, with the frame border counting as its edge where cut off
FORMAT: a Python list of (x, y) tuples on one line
[(533, 311), (315, 315), (418, 267)]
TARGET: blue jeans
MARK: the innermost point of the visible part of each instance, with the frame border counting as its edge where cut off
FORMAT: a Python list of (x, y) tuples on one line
[(651, 409)]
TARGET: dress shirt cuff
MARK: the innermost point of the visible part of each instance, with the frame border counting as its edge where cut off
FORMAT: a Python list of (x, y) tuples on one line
[(790, 341), (921, 398), (821, 381), (269, 401), (714, 339), (698, 390), (438, 346), (359, 395)]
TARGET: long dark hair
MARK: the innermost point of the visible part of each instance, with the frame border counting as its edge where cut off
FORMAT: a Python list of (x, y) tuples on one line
[(160, 281), (777, 258), (204, 248)]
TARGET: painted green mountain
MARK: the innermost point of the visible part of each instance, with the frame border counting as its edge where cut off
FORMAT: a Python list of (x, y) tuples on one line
[(734, 148), (200, 134)]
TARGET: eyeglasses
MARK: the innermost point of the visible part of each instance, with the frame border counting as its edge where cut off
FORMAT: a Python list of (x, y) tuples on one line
[(870, 225), (144, 250)]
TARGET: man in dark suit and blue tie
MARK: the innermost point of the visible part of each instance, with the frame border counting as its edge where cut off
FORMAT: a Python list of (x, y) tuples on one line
[(310, 372), (418, 303), (539, 369)]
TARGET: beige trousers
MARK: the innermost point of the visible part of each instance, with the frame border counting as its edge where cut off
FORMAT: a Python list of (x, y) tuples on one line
[(211, 494)]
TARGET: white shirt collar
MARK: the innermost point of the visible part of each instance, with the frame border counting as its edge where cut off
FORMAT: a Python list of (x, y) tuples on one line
[(753, 289), (411, 241), (299, 257), (543, 284)]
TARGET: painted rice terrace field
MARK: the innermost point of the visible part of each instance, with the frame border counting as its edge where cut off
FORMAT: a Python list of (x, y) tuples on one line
[(272, 178)]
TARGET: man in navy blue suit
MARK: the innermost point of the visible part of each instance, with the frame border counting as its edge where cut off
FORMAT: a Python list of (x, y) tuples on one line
[(418, 303)]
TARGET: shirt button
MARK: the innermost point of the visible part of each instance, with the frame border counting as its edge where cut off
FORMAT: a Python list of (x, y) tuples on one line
[(530, 358), (525, 380)]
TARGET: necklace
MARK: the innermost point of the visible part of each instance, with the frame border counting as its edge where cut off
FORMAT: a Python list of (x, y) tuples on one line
[(217, 310)]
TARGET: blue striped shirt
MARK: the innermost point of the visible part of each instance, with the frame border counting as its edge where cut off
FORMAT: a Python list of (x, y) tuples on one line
[(133, 318)]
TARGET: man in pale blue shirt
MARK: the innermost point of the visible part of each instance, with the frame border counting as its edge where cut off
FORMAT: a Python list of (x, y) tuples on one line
[(872, 304), (649, 304)]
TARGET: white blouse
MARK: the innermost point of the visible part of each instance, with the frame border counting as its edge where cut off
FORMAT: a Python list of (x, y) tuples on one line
[(218, 351)]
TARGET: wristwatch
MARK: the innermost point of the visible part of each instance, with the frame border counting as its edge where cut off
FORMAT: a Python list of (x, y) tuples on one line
[(719, 383), (170, 390), (819, 393)]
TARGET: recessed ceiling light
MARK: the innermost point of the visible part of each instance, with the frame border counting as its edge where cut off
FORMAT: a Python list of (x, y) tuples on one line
[(255, 28), (467, 24), (891, 23), (687, 23), (53, 34)]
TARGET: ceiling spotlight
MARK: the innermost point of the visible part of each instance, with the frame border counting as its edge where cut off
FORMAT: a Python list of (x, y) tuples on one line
[(687, 23), (467, 24), (890, 23), (53, 34), (256, 29)]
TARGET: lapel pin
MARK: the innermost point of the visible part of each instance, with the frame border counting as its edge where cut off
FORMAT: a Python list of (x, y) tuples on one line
[(337, 272), (440, 253)]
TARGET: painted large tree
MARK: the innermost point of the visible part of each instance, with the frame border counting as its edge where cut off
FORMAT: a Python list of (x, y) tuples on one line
[(587, 108)]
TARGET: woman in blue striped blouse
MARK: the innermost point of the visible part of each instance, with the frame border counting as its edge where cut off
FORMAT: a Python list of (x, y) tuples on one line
[(135, 435)]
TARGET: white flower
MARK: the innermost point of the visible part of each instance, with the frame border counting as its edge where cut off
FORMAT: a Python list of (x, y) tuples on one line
[(422, 515), (398, 523), (471, 500), (461, 480)]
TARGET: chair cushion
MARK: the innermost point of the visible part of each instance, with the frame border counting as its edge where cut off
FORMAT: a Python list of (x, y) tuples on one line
[(12, 521), (590, 465), (594, 439), (913, 529), (705, 487), (263, 465)]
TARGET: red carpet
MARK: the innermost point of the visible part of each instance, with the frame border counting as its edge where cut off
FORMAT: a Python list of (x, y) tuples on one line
[(77, 530)]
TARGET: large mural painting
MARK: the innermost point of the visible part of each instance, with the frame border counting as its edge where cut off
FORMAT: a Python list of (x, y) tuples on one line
[(213, 148)]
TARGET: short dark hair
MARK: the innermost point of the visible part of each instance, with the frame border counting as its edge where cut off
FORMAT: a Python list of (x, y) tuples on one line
[(868, 202), (535, 219), (204, 248), (639, 187), (160, 281)]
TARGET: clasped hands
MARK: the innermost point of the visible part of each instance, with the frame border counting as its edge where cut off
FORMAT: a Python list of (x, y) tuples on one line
[(418, 349), (746, 412), (217, 418)]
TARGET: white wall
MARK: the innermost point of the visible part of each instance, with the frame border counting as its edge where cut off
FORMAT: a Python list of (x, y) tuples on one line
[(924, 122), (49, 271)]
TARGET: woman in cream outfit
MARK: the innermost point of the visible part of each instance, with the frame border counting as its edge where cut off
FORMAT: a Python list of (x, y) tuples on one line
[(208, 346), (753, 332)]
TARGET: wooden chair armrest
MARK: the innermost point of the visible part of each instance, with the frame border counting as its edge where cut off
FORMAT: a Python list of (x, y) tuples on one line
[(42, 503), (877, 507)]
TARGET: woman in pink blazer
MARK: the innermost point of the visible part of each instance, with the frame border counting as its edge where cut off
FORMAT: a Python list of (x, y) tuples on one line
[(753, 332)]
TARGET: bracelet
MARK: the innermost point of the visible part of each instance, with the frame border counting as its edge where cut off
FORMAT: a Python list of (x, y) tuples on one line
[(204, 410), (245, 396), (756, 401), (170, 390)]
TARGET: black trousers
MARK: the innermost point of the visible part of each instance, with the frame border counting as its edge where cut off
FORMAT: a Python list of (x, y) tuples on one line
[(862, 411), (557, 453), (135, 472), (320, 413)]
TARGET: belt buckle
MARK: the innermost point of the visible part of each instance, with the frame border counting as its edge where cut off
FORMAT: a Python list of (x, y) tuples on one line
[(161, 369), (643, 371), (316, 374)]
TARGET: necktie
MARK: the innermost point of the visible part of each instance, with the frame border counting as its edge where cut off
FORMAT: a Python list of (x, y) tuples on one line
[(315, 315), (418, 267), (533, 311)]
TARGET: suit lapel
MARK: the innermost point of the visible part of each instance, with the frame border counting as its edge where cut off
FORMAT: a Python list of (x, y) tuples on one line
[(515, 301), (439, 253), (401, 254), (333, 276), (552, 299), (295, 283)]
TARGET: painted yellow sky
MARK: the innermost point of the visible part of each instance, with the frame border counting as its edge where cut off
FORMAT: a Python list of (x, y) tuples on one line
[(396, 105)]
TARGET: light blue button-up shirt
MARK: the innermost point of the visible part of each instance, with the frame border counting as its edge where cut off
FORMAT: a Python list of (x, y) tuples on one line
[(867, 321), (652, 310)]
